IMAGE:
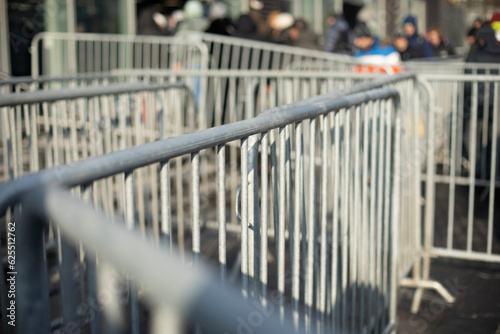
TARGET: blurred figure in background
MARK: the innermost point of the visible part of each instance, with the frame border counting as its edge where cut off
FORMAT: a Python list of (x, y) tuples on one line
[(193, 17), (301, 35), (339, 38), (220, 24), (279, 23), (440, 45), (256, 15), (151, 22), (472, 37), (418, 47), (174, 19), (371, 52), (246, 28), (402, 45), (489, 47)]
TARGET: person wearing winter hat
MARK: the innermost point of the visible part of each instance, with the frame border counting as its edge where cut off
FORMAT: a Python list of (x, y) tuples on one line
[(193, 17), (417, 44), (489, 47), (370, 51)]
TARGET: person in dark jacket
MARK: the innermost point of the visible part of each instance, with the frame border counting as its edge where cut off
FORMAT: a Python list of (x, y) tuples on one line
[(488, 52), (151, 22), (402, 44), (339, 38), (441, 47), (246, 28), (417, 45), (220, 23), (301, 35)]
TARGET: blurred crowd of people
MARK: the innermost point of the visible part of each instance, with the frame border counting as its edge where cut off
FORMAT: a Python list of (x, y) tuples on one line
[(343, 35)]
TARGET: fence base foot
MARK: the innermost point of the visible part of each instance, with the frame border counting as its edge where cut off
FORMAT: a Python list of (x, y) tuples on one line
[(425, 284)]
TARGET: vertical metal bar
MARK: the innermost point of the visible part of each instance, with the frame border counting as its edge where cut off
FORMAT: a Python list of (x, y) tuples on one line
[(453, 170), (297, 222), (395, 212), (280, 261), (472, 174), (91, 278), (166, 214), (69, 296), (244, 217), (221, 202), (345, 215), (493, 169), (179, 190), (373, 201), (253, 215), (195, 205), (264, 216), (130, 221), (107, 278), (311, 233), (32, 295), (356, 217), (324, 219), (365, 222), (335, 228), (386, 264)]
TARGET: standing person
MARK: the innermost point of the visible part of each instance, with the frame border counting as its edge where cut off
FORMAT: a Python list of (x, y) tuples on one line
[(193, 17), (151, 22), (256, 15), (372, 53), (488, 52), (220, 23), (339, 38), (417, 45), (440, 46), (301, 35), (489, 47), (401, 43)]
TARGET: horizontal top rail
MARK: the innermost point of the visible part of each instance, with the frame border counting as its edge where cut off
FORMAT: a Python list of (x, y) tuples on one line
[(109, 38), (60, 78), (268, 46), (461, 77), (237, 73), (84, 92), (87, 171)]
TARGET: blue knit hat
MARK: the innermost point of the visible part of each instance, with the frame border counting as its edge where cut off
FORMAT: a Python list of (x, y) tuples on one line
[(410, 20)]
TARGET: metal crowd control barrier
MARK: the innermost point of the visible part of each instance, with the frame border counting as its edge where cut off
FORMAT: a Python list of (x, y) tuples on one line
[(338, 197), (233, 95), (448, 68), (172, 290), (47, 128), (244, 54), (462, 148), (25, 84), (69, 53)]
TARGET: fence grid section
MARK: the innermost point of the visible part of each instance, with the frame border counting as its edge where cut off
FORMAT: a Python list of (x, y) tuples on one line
[(345, 153)]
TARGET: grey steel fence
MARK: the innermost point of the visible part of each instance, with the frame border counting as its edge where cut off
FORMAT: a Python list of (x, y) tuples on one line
[(462, 152), (237, 53), (25, 84), (70, 53), (46, 128), (334, 201), (172, 290)]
